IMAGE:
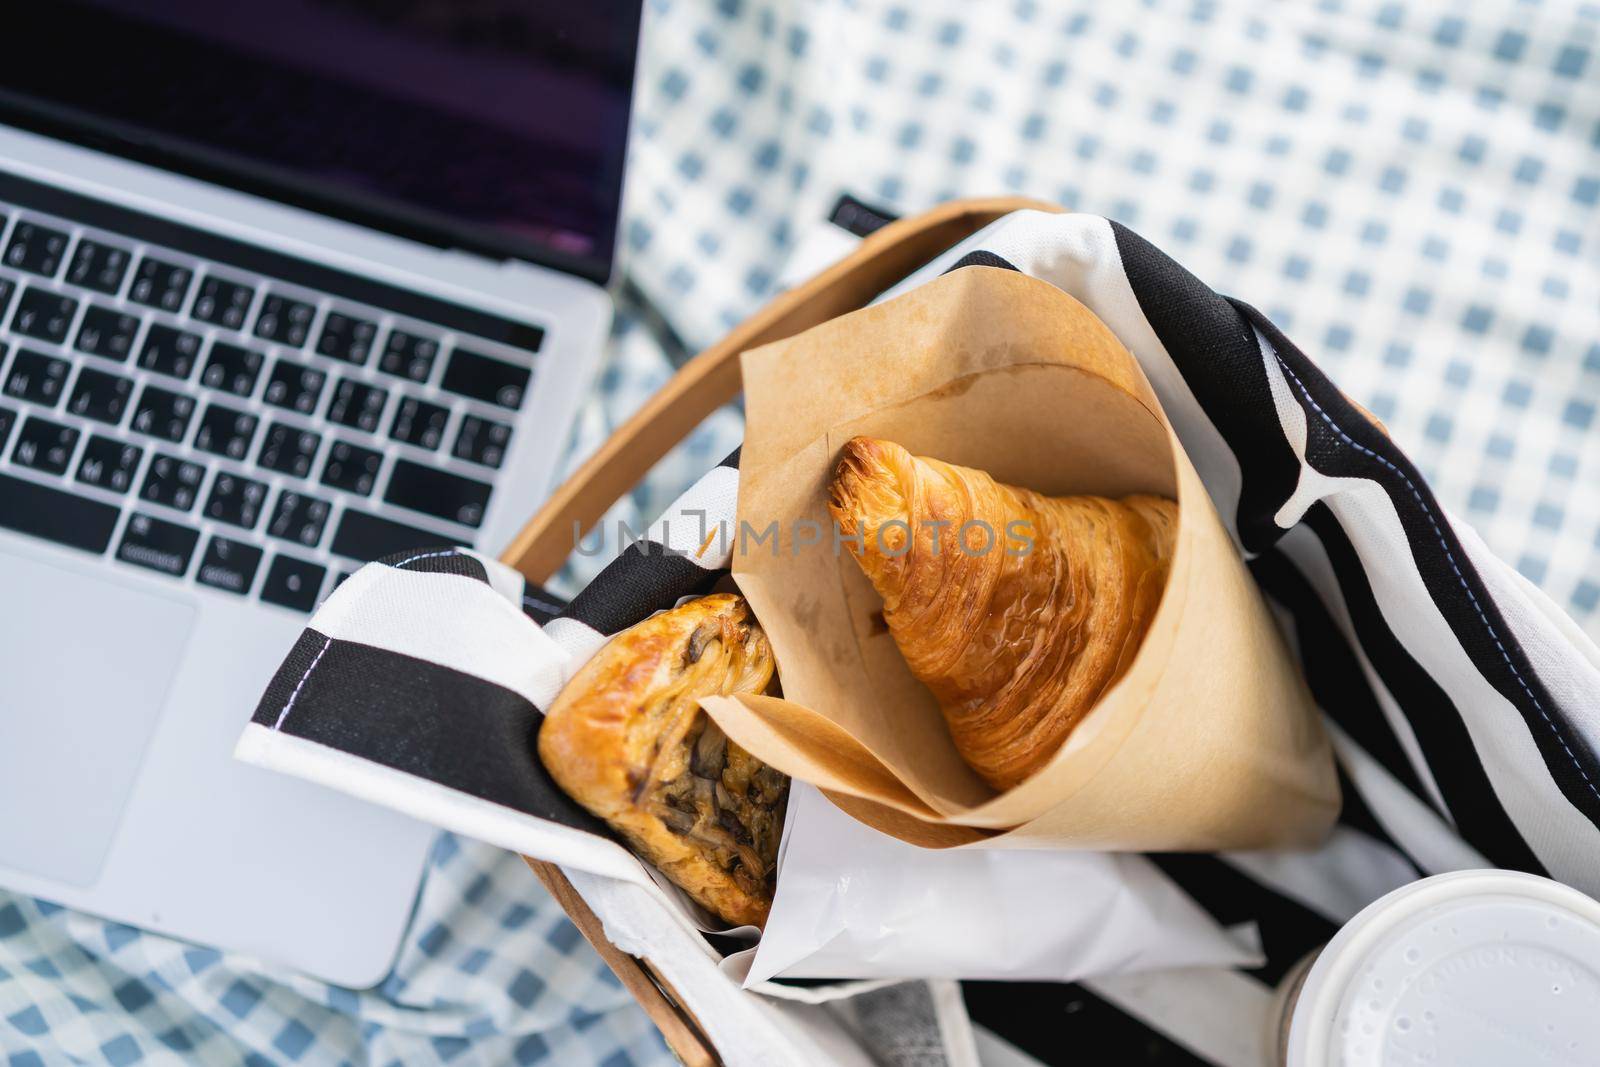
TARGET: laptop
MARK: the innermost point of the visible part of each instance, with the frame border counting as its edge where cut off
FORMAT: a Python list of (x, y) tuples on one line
[(285, 286)]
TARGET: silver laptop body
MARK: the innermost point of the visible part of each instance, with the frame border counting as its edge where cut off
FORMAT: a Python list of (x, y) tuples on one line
[(216, 403)]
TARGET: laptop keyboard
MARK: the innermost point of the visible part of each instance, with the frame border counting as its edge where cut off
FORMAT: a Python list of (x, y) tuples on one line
[(222, 414)]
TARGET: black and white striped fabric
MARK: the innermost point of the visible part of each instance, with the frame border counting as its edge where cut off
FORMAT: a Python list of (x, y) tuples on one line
[(1465, 708), (436, 663)]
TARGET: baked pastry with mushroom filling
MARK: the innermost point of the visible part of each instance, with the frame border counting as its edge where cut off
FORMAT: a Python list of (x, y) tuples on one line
[(626, 738)]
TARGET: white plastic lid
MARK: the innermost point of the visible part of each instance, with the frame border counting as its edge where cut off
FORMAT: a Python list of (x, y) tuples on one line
[(1471, 969)]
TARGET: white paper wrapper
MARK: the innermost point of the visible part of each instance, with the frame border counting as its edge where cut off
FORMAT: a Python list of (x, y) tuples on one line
[(856, 903)]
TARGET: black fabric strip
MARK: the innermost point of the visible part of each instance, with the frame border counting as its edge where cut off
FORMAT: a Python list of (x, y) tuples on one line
[(421, 718), (1332, 670), (732, 458), (981, 258), (637, 305), (1215, 350), (858, 218), (296, 665), (540, 604), (438, 559), (1442, 736), (1289, 930), (1064, 1025), (643, 579)]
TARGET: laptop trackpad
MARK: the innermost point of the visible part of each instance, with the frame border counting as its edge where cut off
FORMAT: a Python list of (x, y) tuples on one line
[(85, 665)]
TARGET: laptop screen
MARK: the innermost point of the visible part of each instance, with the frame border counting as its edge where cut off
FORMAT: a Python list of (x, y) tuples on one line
[(494, 125)]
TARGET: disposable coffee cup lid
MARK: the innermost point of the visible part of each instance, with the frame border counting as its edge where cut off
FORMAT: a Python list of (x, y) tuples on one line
[(1471, 969)]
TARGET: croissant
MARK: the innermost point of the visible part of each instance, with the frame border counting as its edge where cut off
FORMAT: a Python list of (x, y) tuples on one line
[(626, 738), (1016, 610)]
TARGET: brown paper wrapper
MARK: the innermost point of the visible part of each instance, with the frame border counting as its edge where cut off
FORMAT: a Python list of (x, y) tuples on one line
[(1209, 741)]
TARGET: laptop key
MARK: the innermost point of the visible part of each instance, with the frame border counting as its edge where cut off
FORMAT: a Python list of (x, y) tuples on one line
[(294, 386), (288, 450), (493, 381), (37, 377), (298, 517), (56, 515), (158, 544), (236, 500), (285, 320), (109, 464), (351, 468), (482, 441), (36, 249), (8, 418), (106, 333), (159, 284), (7, 287), (172, 482), (417, 422), (346, 338), (292, 583), (170, 351), (100, 396), (225, 432), (44, 315), (408, 355), (98, 266), (163, 414), (365, 537), (232, 369), (438, 493), (45, 446), (229, 564), (357, 405), (223, 303)]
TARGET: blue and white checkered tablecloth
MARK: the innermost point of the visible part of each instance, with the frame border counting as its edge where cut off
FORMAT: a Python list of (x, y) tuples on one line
[(491, 972), (1412, 190)]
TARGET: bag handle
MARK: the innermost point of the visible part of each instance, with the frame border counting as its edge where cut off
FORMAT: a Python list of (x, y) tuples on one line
[(711, 378)]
